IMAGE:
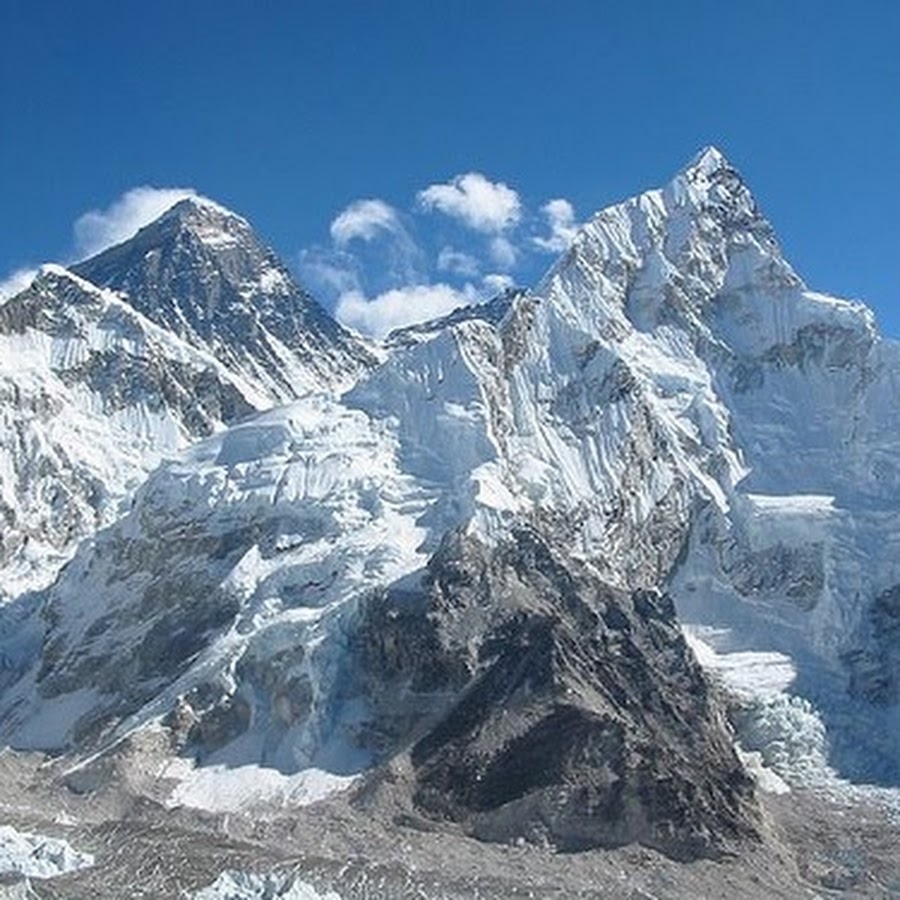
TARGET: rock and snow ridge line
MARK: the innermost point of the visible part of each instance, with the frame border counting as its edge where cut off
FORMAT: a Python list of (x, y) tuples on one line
[(201, 272), (101, 384), (94, 396)]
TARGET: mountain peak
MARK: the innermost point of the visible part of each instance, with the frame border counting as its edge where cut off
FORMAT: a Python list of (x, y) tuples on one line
[(707, 162), (709, 179), (667, 253), (201, 271), (215, 226), (711, 185), (196, 207)]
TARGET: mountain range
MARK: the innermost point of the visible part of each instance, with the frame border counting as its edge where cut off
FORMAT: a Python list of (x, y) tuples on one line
[(595, 564)]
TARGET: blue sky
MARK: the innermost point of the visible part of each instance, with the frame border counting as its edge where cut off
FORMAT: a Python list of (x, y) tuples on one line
[(456, 122)]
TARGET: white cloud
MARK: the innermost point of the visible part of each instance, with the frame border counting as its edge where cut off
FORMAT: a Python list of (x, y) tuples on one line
[(488, 206), (101, 228), (332, 271), (400, 306), (364, 219), (458, 263), (503, 253), (15, 282), (496, 283), (560, 216), (376, 223)]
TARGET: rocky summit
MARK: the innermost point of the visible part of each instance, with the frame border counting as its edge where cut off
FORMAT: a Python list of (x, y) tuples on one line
[(201, 272), (585, 583)]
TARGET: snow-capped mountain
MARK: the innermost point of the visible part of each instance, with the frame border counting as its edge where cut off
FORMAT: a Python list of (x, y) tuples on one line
[(200, 326), (462, 574), (201, 272), (93, 396)]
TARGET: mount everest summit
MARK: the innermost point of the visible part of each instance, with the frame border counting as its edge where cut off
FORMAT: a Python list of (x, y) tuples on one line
[(99, 385), (469, 580)]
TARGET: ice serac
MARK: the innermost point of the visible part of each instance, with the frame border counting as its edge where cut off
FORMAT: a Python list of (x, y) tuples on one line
[(201, 272), (92, 396)]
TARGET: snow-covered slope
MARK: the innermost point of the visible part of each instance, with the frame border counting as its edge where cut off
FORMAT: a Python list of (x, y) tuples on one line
[(296, 593), (201, 272), (779, 413), (92, 396), (200, 325), (245, 549), (331, 583), (703, 418)]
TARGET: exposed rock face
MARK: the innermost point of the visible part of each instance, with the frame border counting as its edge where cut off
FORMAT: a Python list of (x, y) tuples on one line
[(118, 356), (875, 667), (92, 396), (201, 272), (541, 703)]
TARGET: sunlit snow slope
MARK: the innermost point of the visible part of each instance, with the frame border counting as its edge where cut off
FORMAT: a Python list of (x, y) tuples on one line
[(197, 324), (92, 396)]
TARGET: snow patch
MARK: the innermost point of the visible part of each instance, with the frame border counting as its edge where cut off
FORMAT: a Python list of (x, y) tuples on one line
[(38, 856), (221, 789), (748, 673), (783, 739), (232, 885)]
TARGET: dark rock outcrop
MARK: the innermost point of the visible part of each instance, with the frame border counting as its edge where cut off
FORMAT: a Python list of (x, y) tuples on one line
[(536, 702), (201, 272), (875, 667)]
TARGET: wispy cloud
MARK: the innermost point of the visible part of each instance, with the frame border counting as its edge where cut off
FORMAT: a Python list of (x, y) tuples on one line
[(496, 282), (379, 239), (395, 308), (329, 270), (458, 263), (560, 216), (386, 267), (364, 220), (16, 282), (503, 253), (101, 228), (482, 204)]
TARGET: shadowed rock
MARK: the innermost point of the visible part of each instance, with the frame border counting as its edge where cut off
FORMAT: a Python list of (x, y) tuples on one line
[(538, 703)]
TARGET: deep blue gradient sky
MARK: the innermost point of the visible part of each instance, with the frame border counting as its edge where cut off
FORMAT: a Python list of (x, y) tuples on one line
[(289, 111)]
